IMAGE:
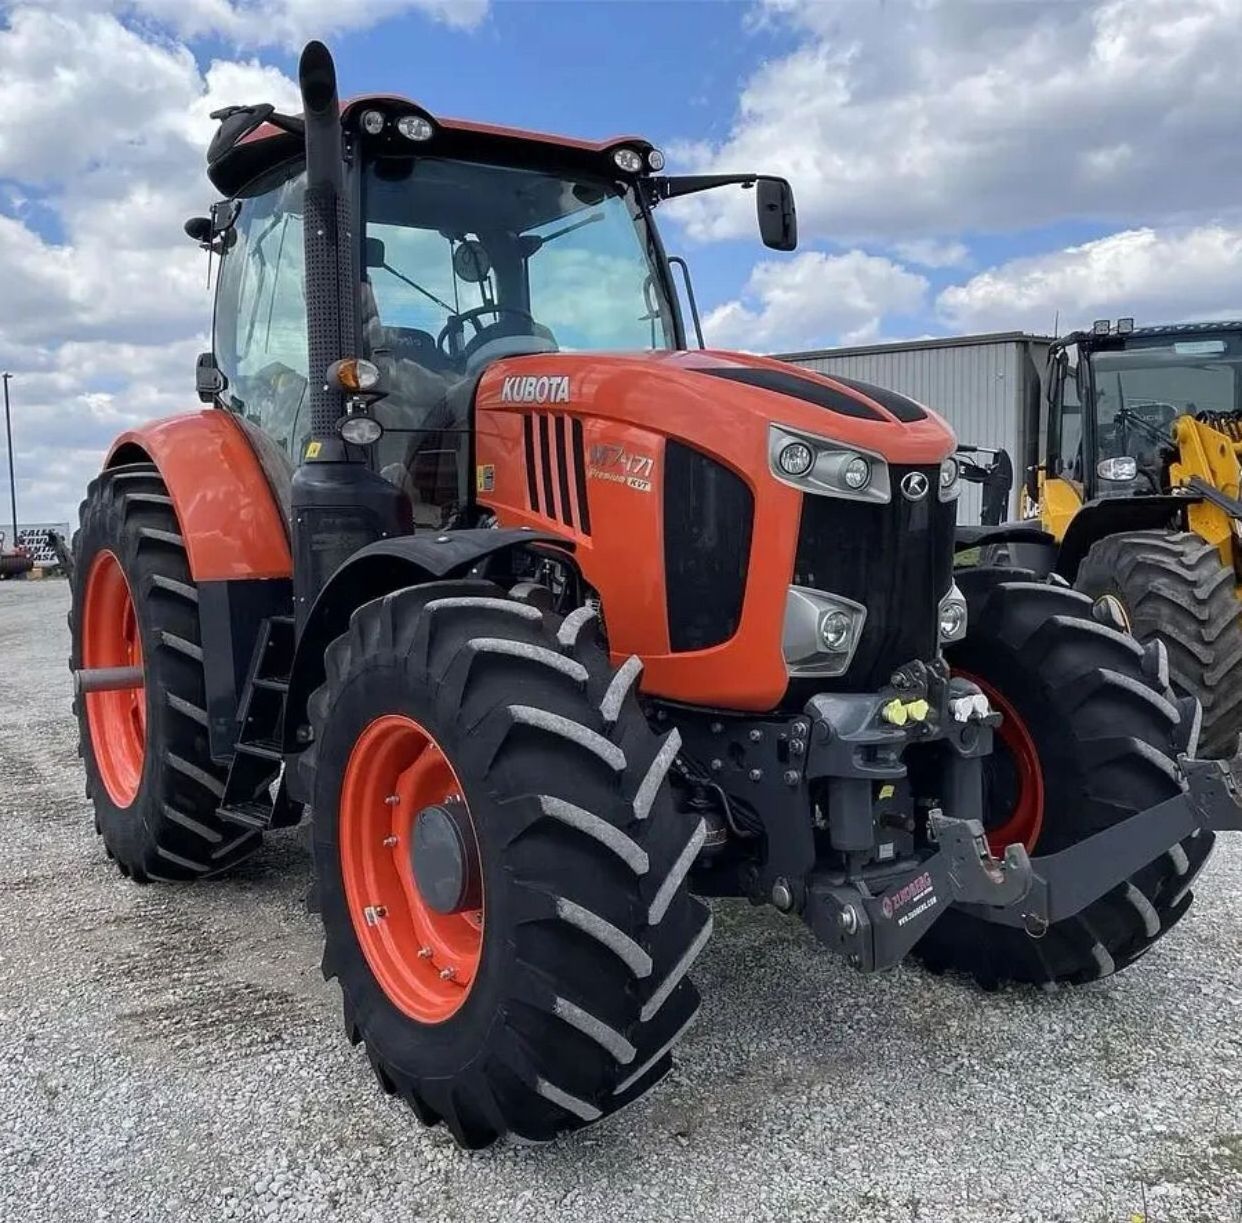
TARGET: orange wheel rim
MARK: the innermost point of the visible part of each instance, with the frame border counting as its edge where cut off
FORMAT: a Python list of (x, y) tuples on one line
[(424, 960), (1023, 824), (117, 720)]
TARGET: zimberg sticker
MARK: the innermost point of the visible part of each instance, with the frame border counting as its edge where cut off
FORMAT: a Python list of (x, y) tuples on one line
[(918, 890)]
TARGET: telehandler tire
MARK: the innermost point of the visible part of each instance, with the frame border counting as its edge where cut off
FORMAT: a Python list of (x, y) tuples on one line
[(149, 770), (1173, 586), (530, 978), (1086, 741)]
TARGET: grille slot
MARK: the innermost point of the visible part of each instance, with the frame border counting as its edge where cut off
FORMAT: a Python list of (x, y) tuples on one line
[(556, 468)]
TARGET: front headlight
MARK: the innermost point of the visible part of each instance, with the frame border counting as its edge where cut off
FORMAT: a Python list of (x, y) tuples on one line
[(827, 468), (950, 478), (952, 616), (821, 631)]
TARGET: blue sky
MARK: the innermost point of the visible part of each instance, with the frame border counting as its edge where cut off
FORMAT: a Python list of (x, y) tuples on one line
[(960, 165)]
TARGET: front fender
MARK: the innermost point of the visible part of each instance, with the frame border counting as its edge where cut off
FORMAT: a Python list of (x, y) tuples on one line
[(230, 521), (372, 572), (1112, 515)]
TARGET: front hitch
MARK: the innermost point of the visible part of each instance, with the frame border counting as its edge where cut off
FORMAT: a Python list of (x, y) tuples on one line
[(877, 931)]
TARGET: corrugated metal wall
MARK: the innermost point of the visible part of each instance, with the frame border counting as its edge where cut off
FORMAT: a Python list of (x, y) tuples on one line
[(976, 387)]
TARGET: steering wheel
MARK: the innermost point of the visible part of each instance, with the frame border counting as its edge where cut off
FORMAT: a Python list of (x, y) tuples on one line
[(449, 340)]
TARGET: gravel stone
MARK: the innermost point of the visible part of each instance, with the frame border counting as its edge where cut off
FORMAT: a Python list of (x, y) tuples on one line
[(172, 1053)]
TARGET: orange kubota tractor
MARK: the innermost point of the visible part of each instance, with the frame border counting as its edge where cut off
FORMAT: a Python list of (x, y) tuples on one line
[(551, 625)]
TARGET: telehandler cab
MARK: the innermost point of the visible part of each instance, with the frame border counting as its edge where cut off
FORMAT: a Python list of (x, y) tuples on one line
[(551, 625)]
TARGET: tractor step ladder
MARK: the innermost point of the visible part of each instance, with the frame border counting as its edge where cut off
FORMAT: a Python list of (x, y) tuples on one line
[(247, 799)]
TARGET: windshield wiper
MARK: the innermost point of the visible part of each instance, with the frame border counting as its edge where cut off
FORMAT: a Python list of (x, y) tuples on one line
[(537, 242), (419, 288)]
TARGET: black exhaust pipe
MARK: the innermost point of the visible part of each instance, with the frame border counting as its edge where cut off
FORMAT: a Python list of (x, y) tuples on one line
[(338, 504), (328, 241)]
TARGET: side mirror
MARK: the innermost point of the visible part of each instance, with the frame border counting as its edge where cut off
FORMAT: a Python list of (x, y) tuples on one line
[(199, 228), (778, 217)]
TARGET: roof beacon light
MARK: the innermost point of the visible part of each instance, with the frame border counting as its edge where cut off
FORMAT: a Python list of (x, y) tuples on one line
[(1101, 326), (628, 160), (415, 127), (655, 159), (1125, 326), (372, 122)]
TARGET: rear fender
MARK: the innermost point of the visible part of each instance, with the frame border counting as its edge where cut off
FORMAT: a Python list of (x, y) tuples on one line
[(372, 572)]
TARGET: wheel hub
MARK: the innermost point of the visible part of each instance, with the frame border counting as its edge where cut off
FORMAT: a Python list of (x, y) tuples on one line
[(444, 860), (410, 866)]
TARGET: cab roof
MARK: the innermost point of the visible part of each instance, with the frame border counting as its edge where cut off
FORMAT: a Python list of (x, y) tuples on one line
[(234, 162)]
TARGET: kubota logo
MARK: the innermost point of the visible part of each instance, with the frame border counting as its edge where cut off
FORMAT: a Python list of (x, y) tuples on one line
[(914, 486), (545, 388)]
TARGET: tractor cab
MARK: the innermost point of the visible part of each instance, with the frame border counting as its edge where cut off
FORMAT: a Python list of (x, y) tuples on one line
[(476, 243)]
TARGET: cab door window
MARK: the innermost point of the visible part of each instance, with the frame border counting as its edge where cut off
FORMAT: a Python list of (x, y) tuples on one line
[(260, 327), (1065, 424)]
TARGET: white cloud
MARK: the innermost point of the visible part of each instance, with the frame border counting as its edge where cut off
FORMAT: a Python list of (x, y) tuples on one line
[(104, 303), (929, 253), (897, 122), (1156, 275), (287, 23), (814, 300)]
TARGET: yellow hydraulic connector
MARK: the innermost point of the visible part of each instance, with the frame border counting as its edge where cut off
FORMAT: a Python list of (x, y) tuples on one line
[(900, 712)]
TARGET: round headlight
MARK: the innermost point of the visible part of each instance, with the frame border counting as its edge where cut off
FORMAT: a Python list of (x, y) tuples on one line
[(628, 160), (415, 127), (856, 473), (655, 159), (796, 459), (952, 620), (948, 473), (372, 122), (834, 632), (361, 430)]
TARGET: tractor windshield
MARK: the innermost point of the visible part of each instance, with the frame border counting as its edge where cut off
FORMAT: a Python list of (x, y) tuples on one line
[(460, 254), (466, 263), (1158, 378)]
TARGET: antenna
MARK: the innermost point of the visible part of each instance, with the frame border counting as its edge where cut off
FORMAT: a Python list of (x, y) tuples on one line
[(1056, 324)]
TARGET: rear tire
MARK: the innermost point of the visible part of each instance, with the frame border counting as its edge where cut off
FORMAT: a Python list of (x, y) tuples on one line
[(1174, 587), (164, 826), (1103, 737), (579, 991)]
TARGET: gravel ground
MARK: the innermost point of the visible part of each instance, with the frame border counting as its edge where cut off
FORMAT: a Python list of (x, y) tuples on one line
[(172, 1053)]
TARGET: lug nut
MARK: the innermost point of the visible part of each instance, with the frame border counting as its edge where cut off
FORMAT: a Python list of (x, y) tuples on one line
[(755, 774), (390, 841), (797, 746), (756, 735), (448, 974), (716, 728), (374, 914), (424, 953), (792, 777), (717, 765), (393, 799)]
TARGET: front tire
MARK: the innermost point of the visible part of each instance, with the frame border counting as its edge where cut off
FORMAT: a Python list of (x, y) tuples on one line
[(1098, 740), (1174, 587), (149, 770), (568, 1002)]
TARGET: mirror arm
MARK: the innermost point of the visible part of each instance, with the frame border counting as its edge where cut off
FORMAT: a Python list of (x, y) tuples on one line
[(669, 187)]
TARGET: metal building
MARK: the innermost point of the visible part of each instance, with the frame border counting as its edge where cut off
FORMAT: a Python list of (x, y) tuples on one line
[(979, 383)]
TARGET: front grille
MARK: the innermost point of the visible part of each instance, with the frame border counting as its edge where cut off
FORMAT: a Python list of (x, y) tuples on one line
[(895, 559), (708, 517), (555, 463)]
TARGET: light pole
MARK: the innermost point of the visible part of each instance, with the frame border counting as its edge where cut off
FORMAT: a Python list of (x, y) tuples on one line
[(8, 433)]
